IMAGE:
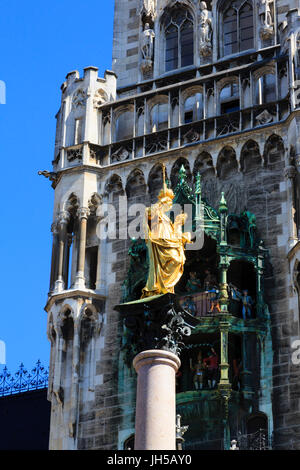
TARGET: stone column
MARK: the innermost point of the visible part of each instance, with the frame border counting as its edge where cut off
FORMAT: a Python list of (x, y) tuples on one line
[(62, 237), (290, 173), (156, 400), (80, 279), (224, 385), (224, 365), (75, 379), (53, 275)]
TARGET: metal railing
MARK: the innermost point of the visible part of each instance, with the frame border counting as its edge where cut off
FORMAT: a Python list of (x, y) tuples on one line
[(23, 380)]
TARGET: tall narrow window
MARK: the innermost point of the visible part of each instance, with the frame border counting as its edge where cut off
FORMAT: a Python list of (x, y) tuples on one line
[(159, 117), (179, 40), (124, 126), (238, 27), (229, 99), (193, 108), (265, 91)]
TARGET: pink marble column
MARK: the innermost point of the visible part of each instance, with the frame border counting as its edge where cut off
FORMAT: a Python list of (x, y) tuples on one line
[(156, 400)]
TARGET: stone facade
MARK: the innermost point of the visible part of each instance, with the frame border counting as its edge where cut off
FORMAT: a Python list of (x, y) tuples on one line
[(235, 119)]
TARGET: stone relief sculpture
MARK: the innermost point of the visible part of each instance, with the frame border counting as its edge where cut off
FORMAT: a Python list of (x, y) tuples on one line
[(100, 98), (147, 48), (267, 29), (206, 29), (264, 117), (79, 99)]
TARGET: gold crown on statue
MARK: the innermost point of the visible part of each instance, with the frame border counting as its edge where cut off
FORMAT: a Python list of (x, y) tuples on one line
[(165, 192)]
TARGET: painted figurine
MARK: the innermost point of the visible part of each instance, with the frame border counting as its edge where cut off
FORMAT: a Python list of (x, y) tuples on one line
[(193, 284), (212, 366), (247, 302), (215, 301), (210, 280), (199, 369)]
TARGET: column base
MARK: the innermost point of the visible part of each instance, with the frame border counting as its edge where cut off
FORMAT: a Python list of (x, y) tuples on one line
[(59, 286), (79, 281)]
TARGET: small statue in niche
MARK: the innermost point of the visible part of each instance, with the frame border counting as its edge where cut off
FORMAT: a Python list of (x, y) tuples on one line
[(193, 284), (147, 48), (198, 370), (148, 42), (212, 368), (267, 30), (247, 303), (205, 30), (215, 301)]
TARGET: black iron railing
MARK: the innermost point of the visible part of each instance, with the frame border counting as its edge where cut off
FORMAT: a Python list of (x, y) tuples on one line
[(23, 380)]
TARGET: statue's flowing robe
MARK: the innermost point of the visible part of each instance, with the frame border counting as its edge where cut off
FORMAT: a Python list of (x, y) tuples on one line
[(165, 242)]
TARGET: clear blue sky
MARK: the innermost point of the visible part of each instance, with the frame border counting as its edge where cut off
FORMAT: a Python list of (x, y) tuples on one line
[(41, 41)]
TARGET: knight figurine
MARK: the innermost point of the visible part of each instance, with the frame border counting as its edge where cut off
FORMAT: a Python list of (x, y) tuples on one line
[(147, 48)]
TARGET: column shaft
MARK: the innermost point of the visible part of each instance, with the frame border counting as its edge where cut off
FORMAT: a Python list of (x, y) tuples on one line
[(62, 238), (156, 400), (80, 279)]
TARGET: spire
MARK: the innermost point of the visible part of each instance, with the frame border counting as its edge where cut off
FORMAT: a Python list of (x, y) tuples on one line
[(223, 203), (182, 174), (198, 188)]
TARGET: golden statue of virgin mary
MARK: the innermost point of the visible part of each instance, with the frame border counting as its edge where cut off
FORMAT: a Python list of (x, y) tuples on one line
[(165, 243)]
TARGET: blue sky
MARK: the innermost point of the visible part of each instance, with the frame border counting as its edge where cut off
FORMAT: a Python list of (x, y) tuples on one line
[(40, 43)]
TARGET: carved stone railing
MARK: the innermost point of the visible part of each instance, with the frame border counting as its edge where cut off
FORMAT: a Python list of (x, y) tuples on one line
[(23, 380)]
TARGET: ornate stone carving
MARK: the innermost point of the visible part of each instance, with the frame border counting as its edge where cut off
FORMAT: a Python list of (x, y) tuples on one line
[(49, 175), (148, 8), (121, 155), (267, 30), (79, 99), (83, 213), (74, 154), (100, 98), (264, 117), (290, 172), (206, 29), (191, 136)]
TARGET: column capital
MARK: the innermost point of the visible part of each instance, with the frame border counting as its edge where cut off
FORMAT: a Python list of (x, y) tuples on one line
[(156, 357), (290, 172), (83, 213), (158, 323), (54, 228), (63, 218)]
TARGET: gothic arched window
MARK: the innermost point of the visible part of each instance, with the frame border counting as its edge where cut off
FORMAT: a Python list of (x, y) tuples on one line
[(238, 27), (179, 34), (159, 117), (124, 126), (193, 108)]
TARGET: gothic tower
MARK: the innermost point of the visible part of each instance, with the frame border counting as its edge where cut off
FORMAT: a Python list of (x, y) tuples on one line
[(210, 89)]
